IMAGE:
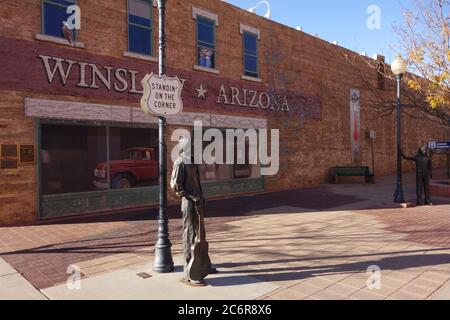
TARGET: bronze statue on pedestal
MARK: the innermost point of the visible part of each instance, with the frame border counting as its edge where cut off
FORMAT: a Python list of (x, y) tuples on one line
[(185, 182), (423, 174)]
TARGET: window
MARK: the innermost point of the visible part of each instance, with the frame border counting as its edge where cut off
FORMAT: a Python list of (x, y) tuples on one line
[(206, 42), (54, 12), (250, 54), (85, 158), (140, 33), (224, 172)]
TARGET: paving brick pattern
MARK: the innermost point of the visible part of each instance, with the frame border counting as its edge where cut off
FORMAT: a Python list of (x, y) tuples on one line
[(312, 249), (427, 225), (43, 252), (44, 263)]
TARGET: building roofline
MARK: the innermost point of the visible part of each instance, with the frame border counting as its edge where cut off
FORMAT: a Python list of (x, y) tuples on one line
[(267, 20)]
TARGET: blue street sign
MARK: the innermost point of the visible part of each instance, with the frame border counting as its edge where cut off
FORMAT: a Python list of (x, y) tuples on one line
[(434, 145)]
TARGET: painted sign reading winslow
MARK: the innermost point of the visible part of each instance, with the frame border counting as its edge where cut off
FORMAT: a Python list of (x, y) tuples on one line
[(90, 75), (125, 80), (37, 67)]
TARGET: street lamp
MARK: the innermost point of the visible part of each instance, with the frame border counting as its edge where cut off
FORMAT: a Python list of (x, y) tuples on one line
[(398, 68), (163, 262), (268, 14)]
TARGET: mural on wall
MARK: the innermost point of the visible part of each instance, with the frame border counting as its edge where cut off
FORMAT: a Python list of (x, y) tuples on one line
[(355, 125)]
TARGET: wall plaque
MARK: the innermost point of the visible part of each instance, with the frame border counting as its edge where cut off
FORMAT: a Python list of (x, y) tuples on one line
[(8, 159), (27, 154)]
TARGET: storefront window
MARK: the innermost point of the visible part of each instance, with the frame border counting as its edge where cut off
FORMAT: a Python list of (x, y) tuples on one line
[(69, 155), (222, 172), (74, 158), (133, 157)]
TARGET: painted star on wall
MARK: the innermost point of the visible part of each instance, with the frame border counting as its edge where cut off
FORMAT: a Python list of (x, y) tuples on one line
[(201, 92)]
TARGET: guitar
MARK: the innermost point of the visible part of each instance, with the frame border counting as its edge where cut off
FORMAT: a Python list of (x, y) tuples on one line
[(200, 265)]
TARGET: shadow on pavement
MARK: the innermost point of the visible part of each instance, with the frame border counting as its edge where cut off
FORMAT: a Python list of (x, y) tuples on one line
[(393, 263)]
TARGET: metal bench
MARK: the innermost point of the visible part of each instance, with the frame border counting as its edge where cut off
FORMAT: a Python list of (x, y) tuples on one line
[(351, 171)]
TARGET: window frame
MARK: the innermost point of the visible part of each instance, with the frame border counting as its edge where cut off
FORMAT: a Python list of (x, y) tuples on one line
[(234, 167), (51, 2), (151, 2), (246, 53), (214, 25)]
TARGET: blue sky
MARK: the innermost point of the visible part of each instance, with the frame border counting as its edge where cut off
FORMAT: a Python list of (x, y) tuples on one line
[(342, 20)]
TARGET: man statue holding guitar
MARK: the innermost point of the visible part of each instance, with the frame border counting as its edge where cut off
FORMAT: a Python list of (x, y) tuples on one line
[(185, 182)]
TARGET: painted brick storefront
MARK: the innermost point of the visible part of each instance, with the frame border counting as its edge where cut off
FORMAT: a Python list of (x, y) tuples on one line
[(312, 74)]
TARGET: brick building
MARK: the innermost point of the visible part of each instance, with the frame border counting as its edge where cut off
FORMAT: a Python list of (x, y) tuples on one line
[(66, 111)]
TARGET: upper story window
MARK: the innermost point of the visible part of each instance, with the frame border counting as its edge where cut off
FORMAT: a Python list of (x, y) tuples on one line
[(250, 47), (206, 23), (140, 31), (251, 55), (54, 12), (206, 42)]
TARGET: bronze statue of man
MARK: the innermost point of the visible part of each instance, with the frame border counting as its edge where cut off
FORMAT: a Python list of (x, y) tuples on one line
[(423, 174), (185, 182)]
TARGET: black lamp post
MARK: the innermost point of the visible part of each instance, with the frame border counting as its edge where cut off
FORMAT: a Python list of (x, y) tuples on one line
[(163, 262), (398, 69)]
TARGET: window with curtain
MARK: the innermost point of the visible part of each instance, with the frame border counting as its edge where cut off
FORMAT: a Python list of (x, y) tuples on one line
[(54, 12), (251, 55), (140, 31), (206, 42)]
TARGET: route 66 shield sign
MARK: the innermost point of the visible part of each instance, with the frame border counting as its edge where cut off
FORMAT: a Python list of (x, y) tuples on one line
[(162, 95)]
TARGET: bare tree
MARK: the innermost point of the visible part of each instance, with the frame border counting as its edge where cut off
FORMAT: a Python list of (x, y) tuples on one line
[(424, 37)]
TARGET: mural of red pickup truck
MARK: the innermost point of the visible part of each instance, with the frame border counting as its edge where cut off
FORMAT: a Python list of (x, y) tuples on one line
[(138, 166)]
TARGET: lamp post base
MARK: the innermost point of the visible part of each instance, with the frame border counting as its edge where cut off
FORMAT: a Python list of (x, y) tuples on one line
[(163, 262), (399, 196)]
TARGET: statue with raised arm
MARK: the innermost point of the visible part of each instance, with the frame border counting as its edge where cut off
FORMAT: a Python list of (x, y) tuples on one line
[(185, 182), (423, 174)]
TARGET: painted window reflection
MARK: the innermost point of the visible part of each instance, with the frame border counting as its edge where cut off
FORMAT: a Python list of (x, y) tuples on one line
[(54, 12), (206, 42), (251, 55), (81, 158), (140, 32)]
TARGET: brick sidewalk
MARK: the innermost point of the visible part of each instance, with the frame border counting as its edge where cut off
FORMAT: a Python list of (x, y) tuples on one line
[(425, 225), (309, 247), (42, 253)]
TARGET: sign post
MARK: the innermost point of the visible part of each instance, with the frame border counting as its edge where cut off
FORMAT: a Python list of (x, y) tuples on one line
[(440, 147), (162, 98)]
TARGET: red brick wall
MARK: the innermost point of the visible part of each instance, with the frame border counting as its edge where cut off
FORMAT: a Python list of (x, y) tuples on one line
[(290, 61)]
